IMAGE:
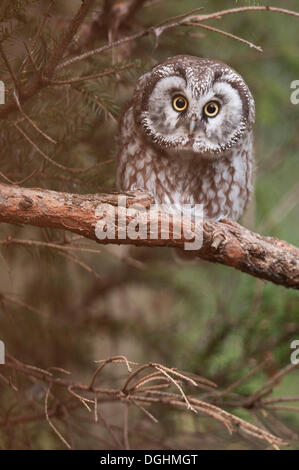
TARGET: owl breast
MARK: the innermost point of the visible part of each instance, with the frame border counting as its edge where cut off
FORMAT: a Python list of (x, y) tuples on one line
[(222, 185)]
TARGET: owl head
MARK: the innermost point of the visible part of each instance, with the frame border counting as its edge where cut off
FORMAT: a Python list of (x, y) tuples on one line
[(193, 104)]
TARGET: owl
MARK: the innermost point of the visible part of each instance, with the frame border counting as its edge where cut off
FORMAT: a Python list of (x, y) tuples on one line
[(186, 137)]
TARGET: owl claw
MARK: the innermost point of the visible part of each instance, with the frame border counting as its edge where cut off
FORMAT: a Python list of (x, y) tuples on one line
[(218, 238)]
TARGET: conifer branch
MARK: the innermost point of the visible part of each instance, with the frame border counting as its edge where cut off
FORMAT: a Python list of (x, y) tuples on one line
[(49, 69), (56, 61), (224, 242)]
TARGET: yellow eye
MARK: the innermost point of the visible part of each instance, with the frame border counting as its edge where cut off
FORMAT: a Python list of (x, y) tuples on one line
[(211, 109), (179, 103)]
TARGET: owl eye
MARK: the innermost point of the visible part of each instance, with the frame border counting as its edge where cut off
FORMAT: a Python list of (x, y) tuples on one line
[(211, 109), (179, 103)]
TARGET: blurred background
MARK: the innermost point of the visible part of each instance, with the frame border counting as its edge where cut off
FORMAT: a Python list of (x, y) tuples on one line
[(68, 308)]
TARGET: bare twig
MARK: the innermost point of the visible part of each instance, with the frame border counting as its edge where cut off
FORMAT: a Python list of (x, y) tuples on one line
[(132, 395), (162, 27), (225, 33), (50, 422)]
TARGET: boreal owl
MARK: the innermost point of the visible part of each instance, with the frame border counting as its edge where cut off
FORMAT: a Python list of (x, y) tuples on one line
[(186, 137)]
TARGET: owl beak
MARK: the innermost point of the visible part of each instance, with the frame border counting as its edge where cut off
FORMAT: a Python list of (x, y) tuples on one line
[(193, 122)]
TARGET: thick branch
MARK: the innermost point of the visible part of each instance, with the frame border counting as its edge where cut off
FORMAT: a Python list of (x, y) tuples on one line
[(223, 242)]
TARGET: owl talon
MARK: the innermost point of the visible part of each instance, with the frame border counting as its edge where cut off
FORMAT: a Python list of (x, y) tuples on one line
[(228, 222), (217, 239)]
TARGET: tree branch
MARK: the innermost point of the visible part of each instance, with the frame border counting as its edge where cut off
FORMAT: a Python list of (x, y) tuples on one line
[(56, 61), (224, 242), (42, 78)]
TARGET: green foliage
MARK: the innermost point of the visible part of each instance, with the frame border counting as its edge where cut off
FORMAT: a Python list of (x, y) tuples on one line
[(97, 99)]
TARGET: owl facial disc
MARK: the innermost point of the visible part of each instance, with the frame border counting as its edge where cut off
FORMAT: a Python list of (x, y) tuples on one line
[(194, 104)]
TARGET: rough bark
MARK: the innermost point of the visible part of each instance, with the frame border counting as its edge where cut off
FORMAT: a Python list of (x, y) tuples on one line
[(224, 242)]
